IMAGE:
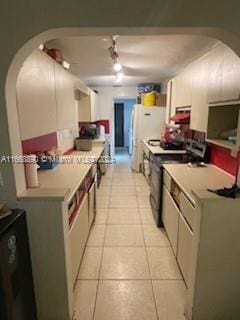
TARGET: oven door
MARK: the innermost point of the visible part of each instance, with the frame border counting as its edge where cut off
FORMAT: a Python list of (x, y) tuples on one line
[(155, 181), (156, 173)]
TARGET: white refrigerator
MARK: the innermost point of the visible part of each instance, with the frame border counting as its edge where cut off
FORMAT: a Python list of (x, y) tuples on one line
[(146, 123)]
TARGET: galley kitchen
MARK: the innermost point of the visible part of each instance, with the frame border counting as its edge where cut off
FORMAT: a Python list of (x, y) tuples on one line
[(125, 158)]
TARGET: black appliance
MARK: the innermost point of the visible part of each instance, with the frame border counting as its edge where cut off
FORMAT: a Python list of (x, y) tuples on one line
[(89, 132), (196, 154), (171, 145), (17, 300), (155, 180)]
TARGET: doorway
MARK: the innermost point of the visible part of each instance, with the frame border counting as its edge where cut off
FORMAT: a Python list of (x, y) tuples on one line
[(122, 123), (119, 125)]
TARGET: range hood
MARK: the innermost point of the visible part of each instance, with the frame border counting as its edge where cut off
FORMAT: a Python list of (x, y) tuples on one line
[(182, 115)]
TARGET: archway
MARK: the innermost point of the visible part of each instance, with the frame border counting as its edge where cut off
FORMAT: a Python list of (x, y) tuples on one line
[(10, 139)]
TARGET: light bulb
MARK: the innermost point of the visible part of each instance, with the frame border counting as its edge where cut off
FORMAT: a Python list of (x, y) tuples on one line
[(117, 66), (119, 77), (66, 65)]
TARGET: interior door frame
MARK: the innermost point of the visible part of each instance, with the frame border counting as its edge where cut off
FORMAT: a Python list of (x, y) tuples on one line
[(112, 119)]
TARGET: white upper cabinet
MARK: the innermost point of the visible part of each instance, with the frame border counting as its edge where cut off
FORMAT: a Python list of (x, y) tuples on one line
[(231, 76), (181, 91), (199, 106), (224, 75), (65, 98), (88, 108), (212, 78), (215, 74), (36, 96)]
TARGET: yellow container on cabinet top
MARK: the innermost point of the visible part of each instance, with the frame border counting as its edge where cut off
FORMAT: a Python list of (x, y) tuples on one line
[(149, 99)]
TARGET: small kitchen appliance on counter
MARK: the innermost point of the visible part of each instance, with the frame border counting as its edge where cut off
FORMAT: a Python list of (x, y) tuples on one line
[(83, 144), (89, 131)]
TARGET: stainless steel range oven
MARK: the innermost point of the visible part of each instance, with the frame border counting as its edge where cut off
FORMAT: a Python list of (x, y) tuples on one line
[(196, 154), (155, 180)]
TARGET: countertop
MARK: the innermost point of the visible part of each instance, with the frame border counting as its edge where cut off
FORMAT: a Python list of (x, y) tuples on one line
[(63, 181), (194, 182), (159, 150), (99, 140)]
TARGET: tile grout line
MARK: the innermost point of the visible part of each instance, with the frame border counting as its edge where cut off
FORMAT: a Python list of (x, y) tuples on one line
[(151, 280), (100, 265), (101, 259)]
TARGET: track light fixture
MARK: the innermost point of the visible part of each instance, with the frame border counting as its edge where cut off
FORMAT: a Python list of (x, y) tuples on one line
[(115, 59)]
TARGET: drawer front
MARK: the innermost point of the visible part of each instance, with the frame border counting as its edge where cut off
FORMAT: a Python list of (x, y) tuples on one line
[(91, 205), (146, 150), (170, 217), (167, 180), (187, 210), (78, 237), (185, 239), (94, 169)]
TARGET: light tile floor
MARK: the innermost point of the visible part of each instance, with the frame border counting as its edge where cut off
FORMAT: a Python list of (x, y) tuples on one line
[(128, 270)]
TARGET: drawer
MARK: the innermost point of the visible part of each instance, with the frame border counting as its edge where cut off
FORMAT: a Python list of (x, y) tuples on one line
[(185, 239), (94, 169), (167, 180), (170, 218), (187, 209), (78, 236), (91, 204)]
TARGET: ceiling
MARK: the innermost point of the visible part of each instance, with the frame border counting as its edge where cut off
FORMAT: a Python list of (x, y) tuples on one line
[(144, 58)]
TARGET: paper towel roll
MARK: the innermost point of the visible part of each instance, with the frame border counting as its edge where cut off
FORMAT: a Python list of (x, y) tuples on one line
[(31, 171), (102, 131)]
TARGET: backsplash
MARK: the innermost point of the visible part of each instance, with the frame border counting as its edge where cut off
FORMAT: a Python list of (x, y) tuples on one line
[(221, 157), (66, 139), (41, 143), (63, 140)]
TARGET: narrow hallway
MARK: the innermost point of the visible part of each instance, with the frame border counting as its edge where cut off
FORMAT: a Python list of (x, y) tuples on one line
[(128, 270)]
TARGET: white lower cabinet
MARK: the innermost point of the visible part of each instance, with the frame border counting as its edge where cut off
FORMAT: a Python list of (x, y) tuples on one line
[(78, 236), (185, 237), (170, 217)]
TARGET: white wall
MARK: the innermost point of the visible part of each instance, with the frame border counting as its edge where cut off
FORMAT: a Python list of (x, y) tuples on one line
[(106, 96)]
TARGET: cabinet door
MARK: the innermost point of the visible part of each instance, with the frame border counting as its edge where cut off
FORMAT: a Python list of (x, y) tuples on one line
[(231, 76), (185, 238), (199, 88), (169, 101), (78, 236), (170, 217), (84, 108), (94, 106), (215, 74), (175, 95), (91, 204), (184, 91), (36, 96), (66, 104)]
